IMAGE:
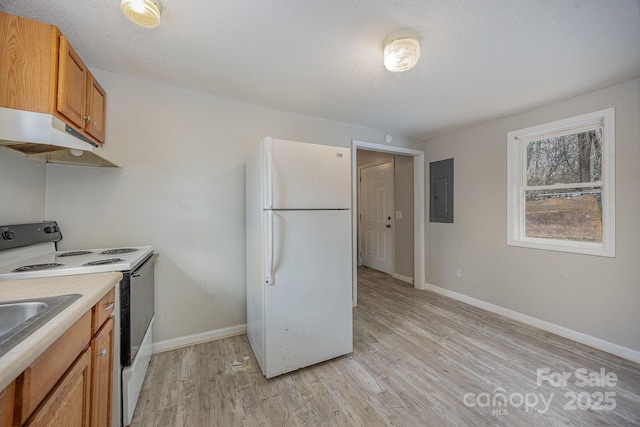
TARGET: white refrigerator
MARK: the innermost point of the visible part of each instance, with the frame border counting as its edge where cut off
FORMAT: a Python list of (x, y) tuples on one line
[(299, 248)]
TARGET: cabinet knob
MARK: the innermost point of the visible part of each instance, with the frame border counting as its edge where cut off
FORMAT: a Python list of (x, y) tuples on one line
[(8, 235), (88, 118), (103, 353)]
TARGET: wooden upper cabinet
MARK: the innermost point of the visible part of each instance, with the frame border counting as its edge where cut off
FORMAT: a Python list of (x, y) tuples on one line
[(72, 84), (40, 71), (28, 64), (96, 108)]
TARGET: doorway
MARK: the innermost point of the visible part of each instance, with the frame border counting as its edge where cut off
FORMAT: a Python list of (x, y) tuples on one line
[(417, 213)]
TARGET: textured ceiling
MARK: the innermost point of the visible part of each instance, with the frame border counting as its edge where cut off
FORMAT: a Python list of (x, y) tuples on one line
[(480, 59)]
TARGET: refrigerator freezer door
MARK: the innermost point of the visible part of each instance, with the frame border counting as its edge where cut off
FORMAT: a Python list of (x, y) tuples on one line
[(308, 306), (306, 176)]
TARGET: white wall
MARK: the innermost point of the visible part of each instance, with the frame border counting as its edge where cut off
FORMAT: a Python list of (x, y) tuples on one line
[(181, 189), (594, 295), (22, 189)]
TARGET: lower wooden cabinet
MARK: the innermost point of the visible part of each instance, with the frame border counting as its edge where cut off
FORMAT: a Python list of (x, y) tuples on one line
[(37, 381), (69, 385), (6, 405), (68, 404)]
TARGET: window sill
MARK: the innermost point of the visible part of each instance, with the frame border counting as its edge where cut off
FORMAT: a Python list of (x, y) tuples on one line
[(582, 248)]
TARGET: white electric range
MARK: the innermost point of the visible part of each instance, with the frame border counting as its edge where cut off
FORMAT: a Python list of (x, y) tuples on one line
[(45, 261), (28, 251)]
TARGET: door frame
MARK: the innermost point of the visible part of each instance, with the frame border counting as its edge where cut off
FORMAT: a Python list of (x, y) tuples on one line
[(418, 209), (391, 160)]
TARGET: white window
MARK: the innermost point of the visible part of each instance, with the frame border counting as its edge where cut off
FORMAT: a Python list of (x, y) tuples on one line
[(560, 185)]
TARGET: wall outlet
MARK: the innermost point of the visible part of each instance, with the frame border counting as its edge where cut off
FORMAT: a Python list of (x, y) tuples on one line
[(398, 214), (459, 273)]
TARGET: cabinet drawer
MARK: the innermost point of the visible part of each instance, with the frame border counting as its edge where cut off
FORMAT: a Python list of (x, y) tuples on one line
[(37, 380), (102, 310)]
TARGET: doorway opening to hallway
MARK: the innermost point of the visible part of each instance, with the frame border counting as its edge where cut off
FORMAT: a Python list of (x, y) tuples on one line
[(388, 193)]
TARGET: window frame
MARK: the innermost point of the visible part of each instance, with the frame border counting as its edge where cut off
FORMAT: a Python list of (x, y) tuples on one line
[(517, 181)]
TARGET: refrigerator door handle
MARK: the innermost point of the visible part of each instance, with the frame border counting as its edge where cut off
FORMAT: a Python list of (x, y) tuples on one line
[(269, 173), (269, 249)]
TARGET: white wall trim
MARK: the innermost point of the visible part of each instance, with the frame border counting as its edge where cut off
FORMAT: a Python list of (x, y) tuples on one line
[(580, 337), (200, 338), (403, 278)]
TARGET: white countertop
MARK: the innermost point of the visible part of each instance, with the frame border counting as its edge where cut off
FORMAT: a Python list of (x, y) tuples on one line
[(92, 287)]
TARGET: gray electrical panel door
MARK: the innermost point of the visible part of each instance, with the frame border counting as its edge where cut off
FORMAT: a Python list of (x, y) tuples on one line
[(441, 191)]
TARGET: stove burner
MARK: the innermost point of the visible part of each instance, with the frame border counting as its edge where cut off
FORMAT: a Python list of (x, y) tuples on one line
[(118, 251), (73, 253), (104, 261), (36, 267)]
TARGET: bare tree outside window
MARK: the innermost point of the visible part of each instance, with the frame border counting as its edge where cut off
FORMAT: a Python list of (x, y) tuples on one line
[(556, 205)]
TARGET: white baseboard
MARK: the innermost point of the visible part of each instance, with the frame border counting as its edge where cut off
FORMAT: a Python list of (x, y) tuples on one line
[(175, 343), (403, 278), (580, 337)]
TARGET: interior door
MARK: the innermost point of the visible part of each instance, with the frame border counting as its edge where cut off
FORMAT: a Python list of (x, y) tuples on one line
[(376, 224)]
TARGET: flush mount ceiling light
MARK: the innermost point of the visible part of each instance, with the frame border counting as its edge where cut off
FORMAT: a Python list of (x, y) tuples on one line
[(401, 50), (145, 13)]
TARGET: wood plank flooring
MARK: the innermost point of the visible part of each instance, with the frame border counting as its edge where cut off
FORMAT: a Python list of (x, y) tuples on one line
[(420, 359)]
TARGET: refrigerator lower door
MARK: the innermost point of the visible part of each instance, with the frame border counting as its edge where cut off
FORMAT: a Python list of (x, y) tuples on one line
[(308, 311)]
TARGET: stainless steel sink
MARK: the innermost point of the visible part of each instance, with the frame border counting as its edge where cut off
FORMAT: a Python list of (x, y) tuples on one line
[(19, 319), (13, 314)]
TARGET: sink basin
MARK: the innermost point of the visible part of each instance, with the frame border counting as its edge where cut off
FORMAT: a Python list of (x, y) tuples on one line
[(19, 319), (13, 314)]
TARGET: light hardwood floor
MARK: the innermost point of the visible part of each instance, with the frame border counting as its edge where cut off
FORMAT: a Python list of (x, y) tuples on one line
[(420, 359)]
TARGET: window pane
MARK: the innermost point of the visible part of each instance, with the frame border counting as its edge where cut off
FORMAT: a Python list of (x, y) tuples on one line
[(564, 214), (565, 159)]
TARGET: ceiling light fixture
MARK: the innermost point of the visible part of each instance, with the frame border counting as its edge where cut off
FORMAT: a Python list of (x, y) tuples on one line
[(401, 50), (145, 13)]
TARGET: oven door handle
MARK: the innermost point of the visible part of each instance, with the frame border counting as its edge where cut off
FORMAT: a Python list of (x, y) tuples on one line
[(137, 272)]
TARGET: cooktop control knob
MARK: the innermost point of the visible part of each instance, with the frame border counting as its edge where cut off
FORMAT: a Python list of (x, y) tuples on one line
[(8, 235)]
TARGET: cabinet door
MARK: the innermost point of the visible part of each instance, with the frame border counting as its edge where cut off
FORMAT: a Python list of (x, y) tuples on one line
[(6, 406), (68, 404), (36, 382), (72, 78), (28, 64), (101, 375), (96, 109)]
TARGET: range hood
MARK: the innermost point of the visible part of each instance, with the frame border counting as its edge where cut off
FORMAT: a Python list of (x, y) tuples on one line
[(46, 138)]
